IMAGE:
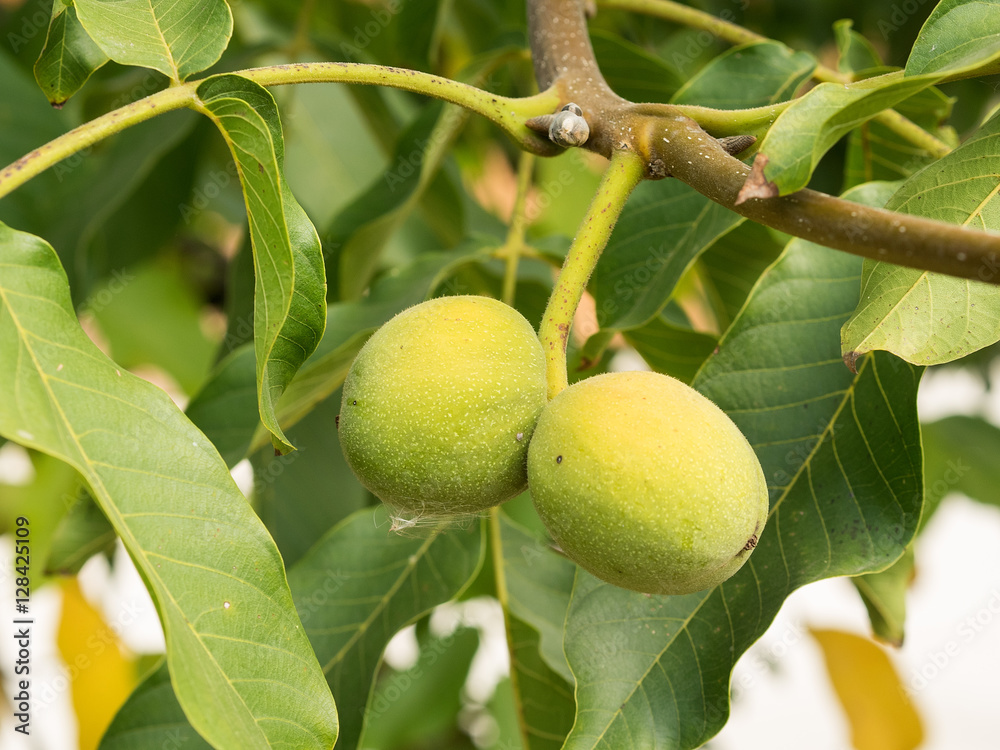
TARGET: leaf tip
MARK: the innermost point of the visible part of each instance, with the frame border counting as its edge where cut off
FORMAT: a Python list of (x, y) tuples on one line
[(757, 185), (851, 360)]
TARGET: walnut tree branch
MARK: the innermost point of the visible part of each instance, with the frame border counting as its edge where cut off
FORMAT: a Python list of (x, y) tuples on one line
[(671, 143)]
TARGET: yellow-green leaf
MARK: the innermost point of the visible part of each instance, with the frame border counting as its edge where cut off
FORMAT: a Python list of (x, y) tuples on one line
[(175, 37), (240, 662), (290, 286)]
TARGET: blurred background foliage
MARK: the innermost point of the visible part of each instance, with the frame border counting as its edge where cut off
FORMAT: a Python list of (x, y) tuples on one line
[(150, 227)]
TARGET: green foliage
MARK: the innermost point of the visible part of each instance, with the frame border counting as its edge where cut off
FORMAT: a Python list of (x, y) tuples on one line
[(277, 611), (208, 561), (177, 38), (929, 318), (70, 55), (290, 282), (815, 122)]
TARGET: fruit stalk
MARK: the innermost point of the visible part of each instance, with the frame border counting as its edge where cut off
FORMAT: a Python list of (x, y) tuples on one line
[(620, 178)]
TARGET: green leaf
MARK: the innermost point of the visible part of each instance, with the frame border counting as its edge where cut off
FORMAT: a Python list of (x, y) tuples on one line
[(751, 75), (875, 152), (151, 316), (28, 122), (354, 590), (152, 717), (82, 533), (663, 229), (544, 697), (731, 266), (841, 454), (418, 30), (290, 291), (69, 56), (175, 37), (960, 455), (417, 706), (361, 230), (807, 129), (854, 51), (361, 583), (503, 709), (43, 500), (929, 318), (632, 72), (225, 408), (539, 583), (958, 36), (884, 596), (671, 349), (319, 377), (304, 494), (214, 572), (326, 166)]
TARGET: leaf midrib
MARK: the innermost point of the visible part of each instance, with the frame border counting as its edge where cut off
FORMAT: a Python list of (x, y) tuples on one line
[(99, 487), (363, 626), (170, 55)]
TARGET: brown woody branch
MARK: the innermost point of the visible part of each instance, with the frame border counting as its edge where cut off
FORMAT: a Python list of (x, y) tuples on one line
[(670, 143)]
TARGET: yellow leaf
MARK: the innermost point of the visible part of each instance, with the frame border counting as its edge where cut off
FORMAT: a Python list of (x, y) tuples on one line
[(880, 713), (102, 675)]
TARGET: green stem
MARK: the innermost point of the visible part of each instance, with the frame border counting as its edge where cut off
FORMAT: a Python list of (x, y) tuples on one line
[(734, 34), (79, 138), (913, 133), (503, 596), (720, 122), (620, 178), (509, 114), (514, 246)]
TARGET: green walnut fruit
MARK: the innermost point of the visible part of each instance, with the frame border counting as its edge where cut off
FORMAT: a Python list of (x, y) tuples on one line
[(440, 404), (646, 483)]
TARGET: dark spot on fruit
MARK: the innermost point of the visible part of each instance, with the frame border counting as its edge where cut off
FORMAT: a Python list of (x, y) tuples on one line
[(336, 421), (751, 543), (558, 459), (355, 402)]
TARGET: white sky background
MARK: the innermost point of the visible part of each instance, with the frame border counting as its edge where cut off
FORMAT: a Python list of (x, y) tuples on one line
[(789, 702)]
